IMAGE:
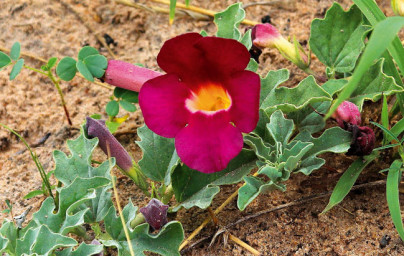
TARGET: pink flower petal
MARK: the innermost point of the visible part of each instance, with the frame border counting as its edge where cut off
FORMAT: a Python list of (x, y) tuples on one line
[(209, 142), (162, 101), (127, 76), (244, 89)]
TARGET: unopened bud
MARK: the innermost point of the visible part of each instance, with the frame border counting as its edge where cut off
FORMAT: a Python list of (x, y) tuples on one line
[(155, 214), (111, 146), (347, 114), (267, 36)]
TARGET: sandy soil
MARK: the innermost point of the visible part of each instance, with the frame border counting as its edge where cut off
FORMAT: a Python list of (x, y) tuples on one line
[(361, 225)]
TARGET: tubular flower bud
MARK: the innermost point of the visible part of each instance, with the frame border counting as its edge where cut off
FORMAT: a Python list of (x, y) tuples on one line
[(267, 36), (347, 113), (398, 7), (127, 76), (155, 214), (110, 145)]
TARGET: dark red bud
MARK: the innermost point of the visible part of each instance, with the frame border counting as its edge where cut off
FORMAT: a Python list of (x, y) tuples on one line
[(363, 140)]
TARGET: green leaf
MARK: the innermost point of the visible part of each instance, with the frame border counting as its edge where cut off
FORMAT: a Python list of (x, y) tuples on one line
[(83, 69), (280, 128), (96, 64), (159, 156), (385, 114), (334, 140), (118, 92), (130, 107), (87, 51), (269, 83), (8, 237), (112, 108), (333, 86), (16, 69), (112, 126), (173, 3), (347, 180), (374, 15), (309, 120), (388, 134), (382, 36), (338, 39), (252, 188), (373, 84), (9, 205), (246, 39), (165, 242), (252, 65), (42, 241), (4, 60), (392, 193), (33, 194), (69, 215), (52, 62), (227, 22), (193, 188), (66, 68), (130, 96), (292, 99), (79, 165), (83, 249), (15, 51)]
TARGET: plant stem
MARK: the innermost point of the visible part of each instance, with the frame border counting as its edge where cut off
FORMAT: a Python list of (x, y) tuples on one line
[(139, 219), (56, 83), (36, 70), (168, 194), (243, 244), (202, 11), (36, 160)]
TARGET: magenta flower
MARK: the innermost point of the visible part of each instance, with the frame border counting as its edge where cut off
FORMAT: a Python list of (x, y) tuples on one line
[(155, 213), (205, 101), (127, 76), (347, 114)]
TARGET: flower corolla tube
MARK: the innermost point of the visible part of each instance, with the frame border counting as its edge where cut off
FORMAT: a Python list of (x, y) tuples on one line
[(205, 101)]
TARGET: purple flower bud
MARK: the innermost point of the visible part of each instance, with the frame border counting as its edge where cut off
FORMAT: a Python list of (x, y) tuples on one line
[(155, 213), (347, 113), (127, 76), (97, 128), (96, 242), (363, 140)]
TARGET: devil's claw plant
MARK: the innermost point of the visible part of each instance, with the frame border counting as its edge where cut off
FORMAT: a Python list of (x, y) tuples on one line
[(210, 119)]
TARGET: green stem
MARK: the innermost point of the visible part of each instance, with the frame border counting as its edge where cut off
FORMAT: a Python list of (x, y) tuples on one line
[(36, 70), (139, 219), (167, 195), (62, 99), (34, 157)]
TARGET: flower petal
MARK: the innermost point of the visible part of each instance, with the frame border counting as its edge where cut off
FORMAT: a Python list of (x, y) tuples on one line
[(178, 55), (209, 142), (244, 90), (226, 55), (162, 101)]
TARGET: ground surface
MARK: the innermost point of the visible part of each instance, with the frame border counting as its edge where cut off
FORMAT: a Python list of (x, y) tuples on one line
[(30, 105)]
